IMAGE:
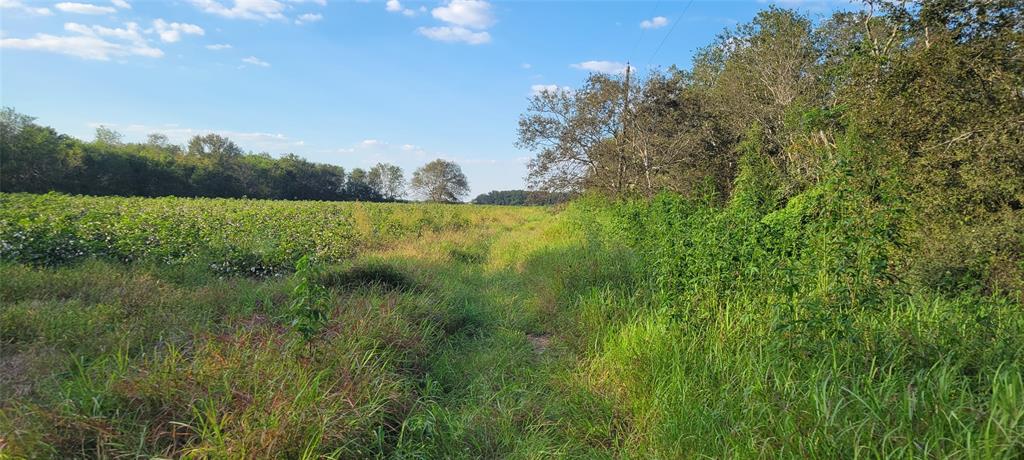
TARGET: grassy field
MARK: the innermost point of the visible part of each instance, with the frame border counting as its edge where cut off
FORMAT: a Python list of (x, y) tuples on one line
[(205, 328)]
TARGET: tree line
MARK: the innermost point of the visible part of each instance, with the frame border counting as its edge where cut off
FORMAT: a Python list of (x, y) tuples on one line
[(928, 93), (522, 197), (38, 159)]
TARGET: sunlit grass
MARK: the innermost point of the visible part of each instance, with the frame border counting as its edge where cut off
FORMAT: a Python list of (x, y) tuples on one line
[(523, 334)]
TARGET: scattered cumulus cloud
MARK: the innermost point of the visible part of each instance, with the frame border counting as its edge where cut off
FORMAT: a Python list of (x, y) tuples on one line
[(254, 10), (122, 4), (254, 141), (256, 61), (455, 35), (219, 47), (371, 151), (16, 5), (308, 18), (467, 21), (654, 23), (540, 89), (474, 14), (89, 42), (171, 32), (601, 66), (395, 6), (84, 8)]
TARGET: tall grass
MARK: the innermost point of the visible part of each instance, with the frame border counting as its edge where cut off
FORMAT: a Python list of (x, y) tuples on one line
[(768, 326), (785, 327)]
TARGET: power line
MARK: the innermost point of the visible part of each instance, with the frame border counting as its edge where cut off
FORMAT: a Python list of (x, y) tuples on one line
[(642, 31), (674, 24)]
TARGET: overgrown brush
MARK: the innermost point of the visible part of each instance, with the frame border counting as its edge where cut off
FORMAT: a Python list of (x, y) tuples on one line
[(789, 327)]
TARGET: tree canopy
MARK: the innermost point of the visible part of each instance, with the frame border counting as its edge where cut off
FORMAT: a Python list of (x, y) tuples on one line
[(521, 197), (930, 92), (38, 159), (441, 181)]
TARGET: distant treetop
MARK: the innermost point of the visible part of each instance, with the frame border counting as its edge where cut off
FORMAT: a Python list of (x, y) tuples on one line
[(521, 198)]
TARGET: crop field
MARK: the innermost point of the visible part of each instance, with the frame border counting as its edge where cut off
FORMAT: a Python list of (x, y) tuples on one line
[(219, 328), (233, 236)]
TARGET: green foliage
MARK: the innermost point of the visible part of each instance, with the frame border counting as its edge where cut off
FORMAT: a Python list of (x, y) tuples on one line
[(521, 198), (309, 309), (249, 237), (148, 359), (802, 303), (387, 180), (933, 87), (37, 159), (440, 181)]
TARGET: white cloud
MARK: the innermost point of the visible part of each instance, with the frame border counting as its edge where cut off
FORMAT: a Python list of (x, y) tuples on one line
[(131, 32), (256, 61), (601, 66), (539, 89), (171, 32), (309, 17), (467, 21), (255, 141), (256, 10), (455, 35), (121, 4), (84, 8), (89, 42), (372, 151), (395, 6), (526, 65), (475, 14), (654, 23), (219, 47), (19, 6)]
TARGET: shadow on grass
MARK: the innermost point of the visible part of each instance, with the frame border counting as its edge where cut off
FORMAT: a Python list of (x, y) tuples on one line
[(369, 275)]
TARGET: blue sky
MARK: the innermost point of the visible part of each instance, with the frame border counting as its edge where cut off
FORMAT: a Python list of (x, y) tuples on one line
[(343, 82)]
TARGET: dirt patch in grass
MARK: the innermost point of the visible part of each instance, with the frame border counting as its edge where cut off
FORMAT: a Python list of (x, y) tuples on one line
[(20, 372), (539, 342)]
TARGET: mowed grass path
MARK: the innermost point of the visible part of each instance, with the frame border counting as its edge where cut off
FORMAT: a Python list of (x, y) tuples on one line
[(503, 385), (452, 344)]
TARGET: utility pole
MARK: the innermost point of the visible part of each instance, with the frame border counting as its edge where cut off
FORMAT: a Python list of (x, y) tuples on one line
[(622, 123)]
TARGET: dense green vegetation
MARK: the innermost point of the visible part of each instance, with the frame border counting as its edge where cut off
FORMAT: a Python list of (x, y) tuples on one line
[(925, 98), (664, 328), (810, 245), (521, 198), (231, 236), (37, 159)]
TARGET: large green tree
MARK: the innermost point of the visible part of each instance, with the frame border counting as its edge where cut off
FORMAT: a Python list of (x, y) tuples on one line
[(387, 180), (441, 181)]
